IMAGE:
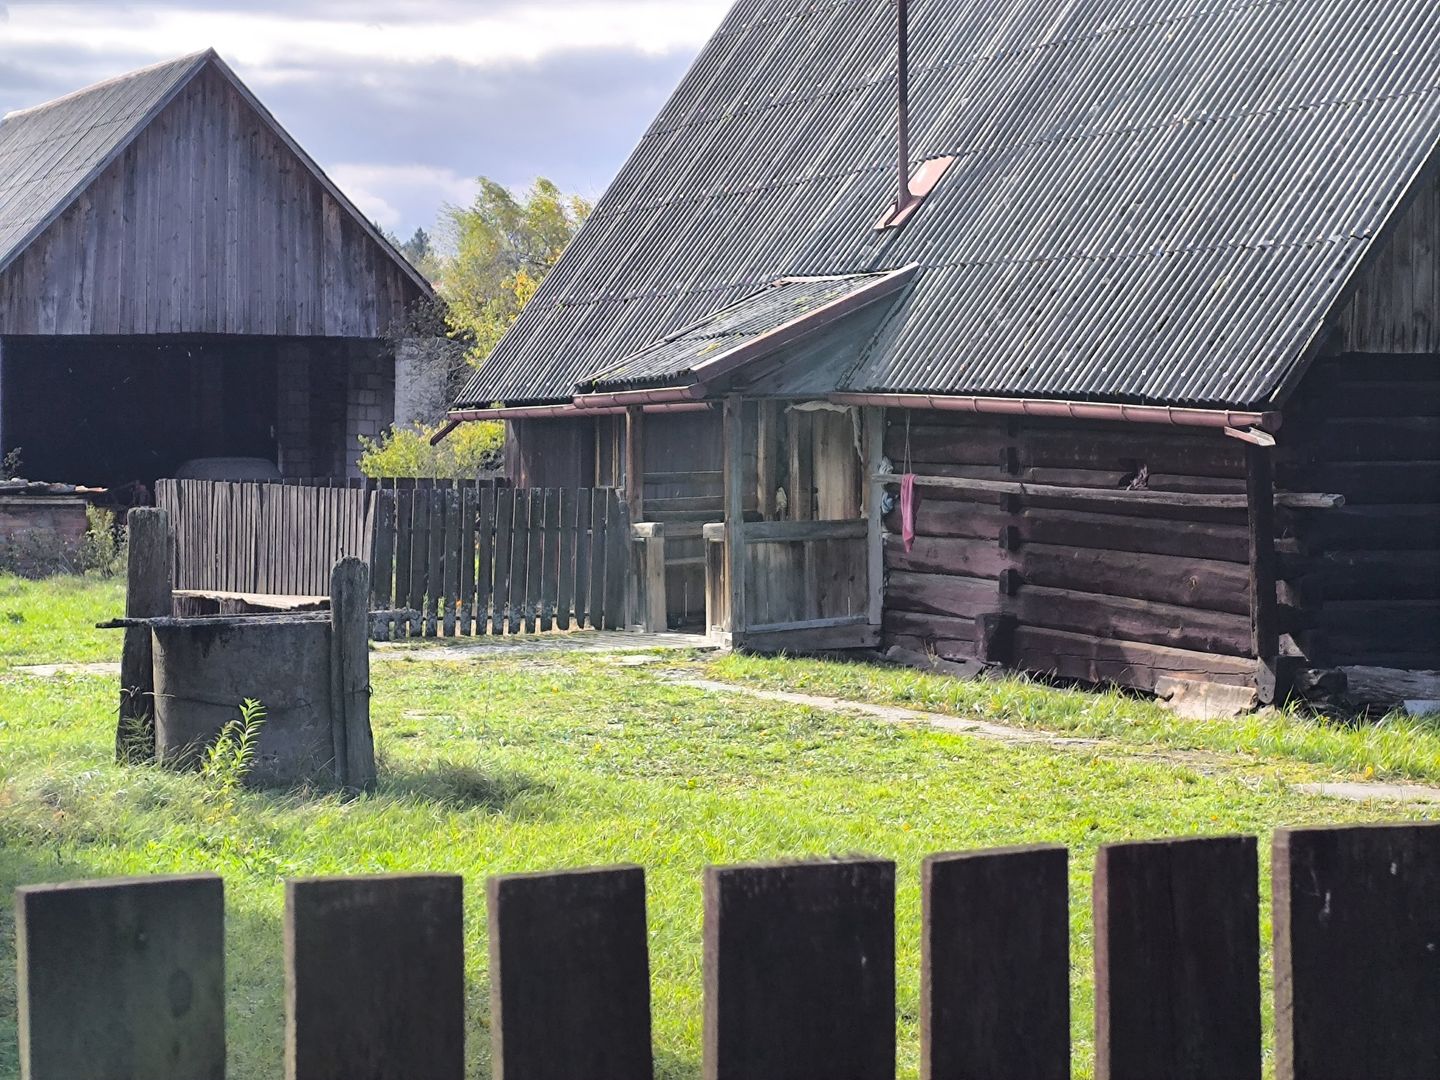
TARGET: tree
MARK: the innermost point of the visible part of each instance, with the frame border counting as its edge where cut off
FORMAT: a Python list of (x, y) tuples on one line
[(503, 247)]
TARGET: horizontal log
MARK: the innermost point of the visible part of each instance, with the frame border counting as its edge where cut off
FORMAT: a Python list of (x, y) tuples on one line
[(1100, 479), (696, 477), (1389, 527), (1390, 368), (1198, 583), (1341, 439), (1393, 625), (1080, 612), (1133, 620), (1415, 397), (1068, 445), (944, 648), (769, 532), (947, 555), (1372, 482), (930, 627), (711, 503), (1099, 660), (1365, 575), (861, 636), (808, 624), (1080, 528), (1390, 686), (1119, 496)]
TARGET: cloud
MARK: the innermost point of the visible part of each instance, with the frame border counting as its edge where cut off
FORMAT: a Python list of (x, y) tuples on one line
[(403, 110)]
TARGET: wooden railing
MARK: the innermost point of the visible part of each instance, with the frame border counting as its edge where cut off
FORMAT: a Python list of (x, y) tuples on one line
[(127, 978)]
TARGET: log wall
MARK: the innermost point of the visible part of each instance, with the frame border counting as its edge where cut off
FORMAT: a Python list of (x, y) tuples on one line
[(1065, 585), (1361, 585)]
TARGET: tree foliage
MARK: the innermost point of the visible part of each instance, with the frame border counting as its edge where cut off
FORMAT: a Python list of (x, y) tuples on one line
[(464, 454), (502, 247)]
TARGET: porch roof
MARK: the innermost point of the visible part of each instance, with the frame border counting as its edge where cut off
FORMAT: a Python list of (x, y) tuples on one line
[(764, 321)]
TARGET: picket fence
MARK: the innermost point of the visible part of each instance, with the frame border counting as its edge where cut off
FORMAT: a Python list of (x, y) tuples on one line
[(460, 557), (126, 978)]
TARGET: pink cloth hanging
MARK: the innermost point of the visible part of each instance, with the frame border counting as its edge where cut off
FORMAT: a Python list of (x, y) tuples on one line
[(907, 511)]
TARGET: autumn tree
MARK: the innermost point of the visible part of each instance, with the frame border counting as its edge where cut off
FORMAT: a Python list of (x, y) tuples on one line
[(501, 247)]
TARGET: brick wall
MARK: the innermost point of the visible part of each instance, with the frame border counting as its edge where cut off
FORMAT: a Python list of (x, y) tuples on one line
[(40, 534), (369, 400)]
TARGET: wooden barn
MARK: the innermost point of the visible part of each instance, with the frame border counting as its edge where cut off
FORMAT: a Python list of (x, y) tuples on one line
[(1085, 339), (179, 280)]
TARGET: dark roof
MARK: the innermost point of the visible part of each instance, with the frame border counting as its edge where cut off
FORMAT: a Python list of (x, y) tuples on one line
[(1150, 203), (52, 152), (740, 331)]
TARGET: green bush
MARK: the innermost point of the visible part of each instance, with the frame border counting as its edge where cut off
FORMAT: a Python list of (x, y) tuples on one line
[(469, 450), (102, 551)]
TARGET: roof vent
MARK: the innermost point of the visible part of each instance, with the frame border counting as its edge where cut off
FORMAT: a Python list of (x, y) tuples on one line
[(913, 189)]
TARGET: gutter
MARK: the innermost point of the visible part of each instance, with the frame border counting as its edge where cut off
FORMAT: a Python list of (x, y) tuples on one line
[(1071, 410), (456, 417), (624, 399)]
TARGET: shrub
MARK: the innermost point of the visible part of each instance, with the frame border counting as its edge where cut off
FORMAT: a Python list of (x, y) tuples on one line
[(102, 551), (469, 450)]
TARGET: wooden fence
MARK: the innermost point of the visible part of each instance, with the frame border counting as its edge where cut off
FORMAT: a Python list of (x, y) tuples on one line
[(126, 978), (455, 557)]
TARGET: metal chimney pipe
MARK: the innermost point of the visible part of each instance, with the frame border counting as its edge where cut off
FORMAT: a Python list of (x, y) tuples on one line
[(905, 197)]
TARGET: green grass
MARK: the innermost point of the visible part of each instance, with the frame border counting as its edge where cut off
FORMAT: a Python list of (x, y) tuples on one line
[(1396, 747), (54, 619), (536, 763)]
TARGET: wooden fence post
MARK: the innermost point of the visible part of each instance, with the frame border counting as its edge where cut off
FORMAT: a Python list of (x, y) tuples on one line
[(647, 576), (350, 674), (122, 978), (374, 978), (800, 971), (569, 976), (1177, 960), (1357, 952), (149, 593), (995, 965)]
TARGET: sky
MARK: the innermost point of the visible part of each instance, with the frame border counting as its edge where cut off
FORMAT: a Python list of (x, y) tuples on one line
[(402, 102)]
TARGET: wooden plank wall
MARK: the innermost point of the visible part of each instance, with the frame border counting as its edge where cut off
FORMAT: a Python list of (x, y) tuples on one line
[(798, 973), (1361, 584), (463, 557), (275, 538), (1059, 585), (206, 224)]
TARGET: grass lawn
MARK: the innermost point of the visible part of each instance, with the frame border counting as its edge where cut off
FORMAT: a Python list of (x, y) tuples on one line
[(555, 761)]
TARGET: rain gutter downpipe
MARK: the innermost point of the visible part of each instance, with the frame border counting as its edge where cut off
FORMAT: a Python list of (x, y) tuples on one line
[(1071, 410), (905, 196)]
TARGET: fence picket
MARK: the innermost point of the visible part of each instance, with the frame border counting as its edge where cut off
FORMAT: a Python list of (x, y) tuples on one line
[(995, 964), (338, 1026), (800, 971), (548, 566), (565, 585), (469, 506), (582, 556), (569, 975), (617, 562), (484, 553), (1357, 952), (599, 519), (505, 503), (452, 553), (520, 563), (419, 557), (382, 560), (104, 968), (1156, 901)]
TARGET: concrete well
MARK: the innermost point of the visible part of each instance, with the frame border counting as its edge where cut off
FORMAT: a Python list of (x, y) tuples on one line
[(204, 667)]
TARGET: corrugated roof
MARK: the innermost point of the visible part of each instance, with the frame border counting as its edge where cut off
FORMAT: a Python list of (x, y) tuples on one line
[(1152, 200), (50, 152), (675, 359)]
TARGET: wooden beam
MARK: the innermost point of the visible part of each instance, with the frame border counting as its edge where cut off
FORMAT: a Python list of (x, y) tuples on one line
[(635, 462), (1293, 500), (782, 532), (801, 497), (873, 424), (734, 446), (1264, 622), (766, 466), (149, 588)]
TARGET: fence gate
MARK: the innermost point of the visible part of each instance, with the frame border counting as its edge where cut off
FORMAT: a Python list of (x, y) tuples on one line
[(446, 557)]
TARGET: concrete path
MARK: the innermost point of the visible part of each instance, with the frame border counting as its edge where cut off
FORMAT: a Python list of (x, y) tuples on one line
[(50, 671)]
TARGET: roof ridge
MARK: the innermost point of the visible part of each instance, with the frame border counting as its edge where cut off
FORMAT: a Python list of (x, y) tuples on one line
[(178, 61)]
